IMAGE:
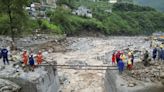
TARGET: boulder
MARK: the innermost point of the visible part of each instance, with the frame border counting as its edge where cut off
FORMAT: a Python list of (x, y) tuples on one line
[(131, 85)]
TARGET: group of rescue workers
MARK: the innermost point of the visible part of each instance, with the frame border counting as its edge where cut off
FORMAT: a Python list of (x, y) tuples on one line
[(158, 53), (119, 57), (27, 59)]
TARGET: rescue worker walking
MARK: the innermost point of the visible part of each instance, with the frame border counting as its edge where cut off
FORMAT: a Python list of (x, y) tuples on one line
[(39, 57), (159, 53), (154, 53), (4, 53), (145, 58), (25, 57), (162, 55)]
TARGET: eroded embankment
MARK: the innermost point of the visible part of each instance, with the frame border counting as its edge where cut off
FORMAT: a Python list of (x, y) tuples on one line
[(48, 82), (114, 83)]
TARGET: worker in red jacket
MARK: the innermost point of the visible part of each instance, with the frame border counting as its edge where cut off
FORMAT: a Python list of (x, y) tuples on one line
[(25, 57), (39, 57), (113, 58), (118, 56)]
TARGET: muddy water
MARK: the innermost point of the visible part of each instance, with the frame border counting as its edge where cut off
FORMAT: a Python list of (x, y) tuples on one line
[(93, 51)]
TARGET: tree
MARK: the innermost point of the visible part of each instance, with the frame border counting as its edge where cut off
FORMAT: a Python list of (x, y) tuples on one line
[(16, 15)]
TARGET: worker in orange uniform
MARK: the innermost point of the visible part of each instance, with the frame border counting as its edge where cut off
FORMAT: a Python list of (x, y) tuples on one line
[(39, 57), (25, 57)]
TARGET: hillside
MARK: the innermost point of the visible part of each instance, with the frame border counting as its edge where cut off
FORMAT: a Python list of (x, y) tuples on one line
[(126, 19), (157, 4), (108, 19)]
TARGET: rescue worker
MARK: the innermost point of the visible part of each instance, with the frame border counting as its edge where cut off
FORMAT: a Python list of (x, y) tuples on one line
[(145, 58), (159, 53), (31, 51), (132, 58), (118, 56), (162, 54), (31, 60), (39, 57), (129, 64), (4, 53), (122, 56), (121, 66), (113, 58), (25, 57), (129, 54), (154, 53)]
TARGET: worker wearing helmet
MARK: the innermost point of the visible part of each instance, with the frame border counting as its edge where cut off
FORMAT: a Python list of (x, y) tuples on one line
[(31, 60), (118, 56), (113, 58), (4, 53), (25, 57), (129, 64), (39, 57), (122, 57)]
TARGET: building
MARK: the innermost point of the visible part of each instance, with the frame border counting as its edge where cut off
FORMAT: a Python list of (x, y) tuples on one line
[(83, 11), (112, 1), (49, 2)]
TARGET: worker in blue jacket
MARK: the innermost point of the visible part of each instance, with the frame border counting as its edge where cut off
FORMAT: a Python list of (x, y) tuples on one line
[(120, 66), (154, 53), (162, 54), (4, 53), (31, 60)]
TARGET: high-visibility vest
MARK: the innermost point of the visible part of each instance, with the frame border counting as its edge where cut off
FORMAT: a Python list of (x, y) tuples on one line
[(129, 62), (25, 56), (39, 57)]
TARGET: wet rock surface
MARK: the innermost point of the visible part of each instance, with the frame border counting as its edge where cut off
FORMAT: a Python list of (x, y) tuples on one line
[(29, 79), (8, 86)]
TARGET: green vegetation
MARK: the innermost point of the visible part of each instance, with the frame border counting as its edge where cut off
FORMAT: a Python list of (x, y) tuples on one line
[(13, 16), (131, 7), (126, 19)]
